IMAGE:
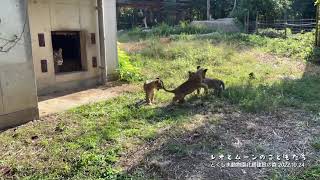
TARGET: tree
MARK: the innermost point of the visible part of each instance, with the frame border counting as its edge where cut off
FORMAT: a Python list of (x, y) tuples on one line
[(303, 9), (268, 9)]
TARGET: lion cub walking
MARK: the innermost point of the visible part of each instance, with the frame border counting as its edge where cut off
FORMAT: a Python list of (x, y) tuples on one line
[(149, 88)]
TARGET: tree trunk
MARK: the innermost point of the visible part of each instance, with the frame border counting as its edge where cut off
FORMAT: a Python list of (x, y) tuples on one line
[(317, 26), (208, 10), (234, 7)]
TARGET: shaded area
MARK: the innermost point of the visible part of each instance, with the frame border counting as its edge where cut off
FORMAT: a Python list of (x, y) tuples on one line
[(186, 153)]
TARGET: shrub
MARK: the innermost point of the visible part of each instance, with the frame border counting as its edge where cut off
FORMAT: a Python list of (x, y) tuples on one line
[(166, 30), (127, 69), (272, 33)]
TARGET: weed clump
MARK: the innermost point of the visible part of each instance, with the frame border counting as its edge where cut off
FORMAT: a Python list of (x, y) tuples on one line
[(128, 70)]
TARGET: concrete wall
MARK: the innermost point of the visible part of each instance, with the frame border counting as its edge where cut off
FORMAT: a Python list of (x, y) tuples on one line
[(18, 94), (110, 37), (61, 15)]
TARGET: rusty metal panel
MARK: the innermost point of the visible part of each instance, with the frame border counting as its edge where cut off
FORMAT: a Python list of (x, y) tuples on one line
[(93, 38), (94, 62), (44, 66), (42, 42)]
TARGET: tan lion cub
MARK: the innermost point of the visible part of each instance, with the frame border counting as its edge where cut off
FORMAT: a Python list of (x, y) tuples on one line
[(216, 84), (193, 83), (149, 88)]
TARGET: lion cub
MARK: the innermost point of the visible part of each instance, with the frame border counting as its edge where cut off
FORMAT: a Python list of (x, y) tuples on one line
[(149, 88), (216, 84), (193, 83)]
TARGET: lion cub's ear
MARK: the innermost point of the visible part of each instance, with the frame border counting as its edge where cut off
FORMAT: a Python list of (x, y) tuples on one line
[(191, 74), (198, 67)]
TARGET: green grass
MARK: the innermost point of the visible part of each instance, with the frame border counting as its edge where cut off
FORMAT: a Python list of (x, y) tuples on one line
[(128, 71), (316, 144), (312, 173), (88, 142), (296, 46), (163, 30), (279, 81)]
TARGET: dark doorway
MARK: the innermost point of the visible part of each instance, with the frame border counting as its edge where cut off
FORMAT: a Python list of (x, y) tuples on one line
[(70, 43)]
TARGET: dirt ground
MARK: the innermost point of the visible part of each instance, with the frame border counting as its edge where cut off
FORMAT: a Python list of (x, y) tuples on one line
[(228, 131), (62, 101)]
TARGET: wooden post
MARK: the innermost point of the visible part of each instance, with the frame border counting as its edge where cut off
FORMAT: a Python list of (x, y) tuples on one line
[(208, 10), (301, 25), (248, 21), (257, 23), (317, 27), (286, 25)]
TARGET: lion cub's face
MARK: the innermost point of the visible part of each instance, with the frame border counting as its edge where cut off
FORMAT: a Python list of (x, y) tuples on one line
[(58, 57), (200, 74), (158, 83), (154, 84)]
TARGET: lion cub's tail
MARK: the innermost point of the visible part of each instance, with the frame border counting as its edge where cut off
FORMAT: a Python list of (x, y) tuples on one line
[(165, 89)]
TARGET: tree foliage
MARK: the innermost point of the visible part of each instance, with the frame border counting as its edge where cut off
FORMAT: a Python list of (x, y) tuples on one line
[(266, 9), (276, 9)]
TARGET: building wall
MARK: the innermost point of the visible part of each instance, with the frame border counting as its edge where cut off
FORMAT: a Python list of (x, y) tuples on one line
[(18, 94), (110, 37), (61, 15)]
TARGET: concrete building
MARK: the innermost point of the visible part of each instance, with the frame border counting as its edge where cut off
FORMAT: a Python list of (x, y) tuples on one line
[(32, 31)]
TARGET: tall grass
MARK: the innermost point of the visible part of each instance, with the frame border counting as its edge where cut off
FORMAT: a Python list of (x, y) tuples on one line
[(231, 57), (297, 46), (164, 30)]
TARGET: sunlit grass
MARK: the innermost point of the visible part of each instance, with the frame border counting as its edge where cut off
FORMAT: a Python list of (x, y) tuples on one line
[(88, 142)]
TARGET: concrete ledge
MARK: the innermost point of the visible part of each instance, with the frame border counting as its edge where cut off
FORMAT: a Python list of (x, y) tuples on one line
[(18, 118), (70, 85)]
